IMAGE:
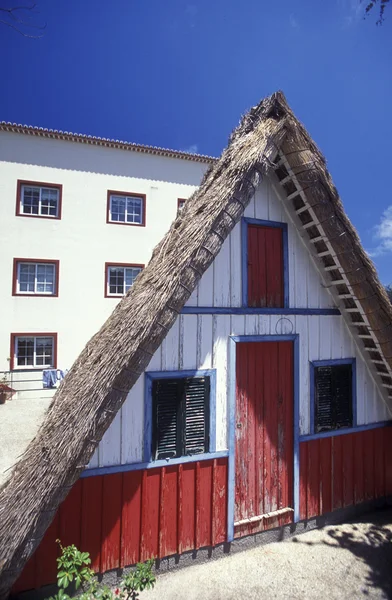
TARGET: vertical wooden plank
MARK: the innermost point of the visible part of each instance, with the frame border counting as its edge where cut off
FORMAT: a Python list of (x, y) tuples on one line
[(313, 285), (368, 441), (272, 424), (300, 267), (337, 469), (303, 480), (193, 299), (131, 518), (359, 452), (91, 522), (189, 348), (379, 468), (110, 445), (187, 495), (274, 263), (206, 287), (171, 348), (219, 502), (94, 461), (248, 420), (257, 357), (361, 388), (313, 500), (274, 204), (325, 338), (236, 267), (111, 521), (70, 517), (250, 209), (326, 475), (205, 342), (169, 506), (261, 201), (268, 407), (197, 505), (220, 355), (301, 327), (203, 527), (150, 514), (348, 470), (222, 275), (285, 429), (132, 424), (241, 425)]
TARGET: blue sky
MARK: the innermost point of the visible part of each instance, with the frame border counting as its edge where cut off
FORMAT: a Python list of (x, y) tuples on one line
[(179, 74)]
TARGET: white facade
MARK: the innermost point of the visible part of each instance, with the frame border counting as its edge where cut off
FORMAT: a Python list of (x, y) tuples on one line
[(82, 241), (201, 341)]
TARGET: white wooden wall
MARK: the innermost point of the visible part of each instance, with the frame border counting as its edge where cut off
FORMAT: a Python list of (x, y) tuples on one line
[(202, 342), (306, 288)]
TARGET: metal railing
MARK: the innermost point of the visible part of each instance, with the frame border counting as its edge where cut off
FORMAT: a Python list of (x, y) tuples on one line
[(24, 380)]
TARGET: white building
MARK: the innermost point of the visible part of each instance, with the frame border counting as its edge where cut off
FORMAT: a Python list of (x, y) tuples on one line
[(88, 214)]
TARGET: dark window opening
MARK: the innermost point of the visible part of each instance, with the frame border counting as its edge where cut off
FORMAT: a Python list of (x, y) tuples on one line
[(180, 417), (333, 397)]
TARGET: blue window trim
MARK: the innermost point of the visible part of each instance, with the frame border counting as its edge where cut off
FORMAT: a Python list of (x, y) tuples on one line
[(245, 310), (344, 431), (140, 466), (150, 376), (245, 221), (233, 340), (331, 363)]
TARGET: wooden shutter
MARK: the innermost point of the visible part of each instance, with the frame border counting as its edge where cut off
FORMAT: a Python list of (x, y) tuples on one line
[(196, 409), (166, 410), (333, 397), (265, 266)]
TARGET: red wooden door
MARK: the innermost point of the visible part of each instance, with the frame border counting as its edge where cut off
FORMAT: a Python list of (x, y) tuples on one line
[(265, 266), (264, 436)]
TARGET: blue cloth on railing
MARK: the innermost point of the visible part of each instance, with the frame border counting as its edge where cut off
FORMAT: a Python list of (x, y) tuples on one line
[(49, 378)]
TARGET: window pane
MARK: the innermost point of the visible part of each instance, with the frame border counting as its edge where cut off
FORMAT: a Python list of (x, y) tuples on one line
[(30, 200), (134, 210), (49, 202), (130, 275), (26, 277), (24, 351), (117, 208), (116, 280), (44, 351), (45, 279)]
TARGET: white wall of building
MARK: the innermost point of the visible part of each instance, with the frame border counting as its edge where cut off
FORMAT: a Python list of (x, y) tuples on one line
[(82, 240)]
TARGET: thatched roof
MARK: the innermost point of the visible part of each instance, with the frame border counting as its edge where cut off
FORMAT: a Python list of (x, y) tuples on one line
[(269, 138)]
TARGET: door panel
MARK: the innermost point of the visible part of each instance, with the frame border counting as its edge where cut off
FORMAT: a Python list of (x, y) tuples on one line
[(264, 436)]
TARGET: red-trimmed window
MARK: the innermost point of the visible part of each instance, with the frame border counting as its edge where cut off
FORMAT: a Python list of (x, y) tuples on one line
[(126, 208), (36, 199), (119, 278), (35, 277), (265, 266), (33, 350)]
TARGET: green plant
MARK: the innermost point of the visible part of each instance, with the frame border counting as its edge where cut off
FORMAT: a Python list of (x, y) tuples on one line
[(73, 570)]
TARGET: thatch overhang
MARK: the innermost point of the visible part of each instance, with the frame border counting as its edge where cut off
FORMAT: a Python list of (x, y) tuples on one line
[(269, 138)]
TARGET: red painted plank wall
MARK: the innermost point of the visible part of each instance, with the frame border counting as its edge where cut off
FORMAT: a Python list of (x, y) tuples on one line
[(344, 470), (265, 266), (124, 518)]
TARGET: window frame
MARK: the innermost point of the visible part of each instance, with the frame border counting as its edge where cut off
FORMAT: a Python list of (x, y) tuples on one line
[(245, 222), (39, 184), (108, 265), (312, 380), (142, 197), (13, 345), (36, 261), (150, 377)]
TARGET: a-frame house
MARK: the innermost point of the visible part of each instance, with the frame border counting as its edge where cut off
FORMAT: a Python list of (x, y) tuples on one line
[(243, 384)]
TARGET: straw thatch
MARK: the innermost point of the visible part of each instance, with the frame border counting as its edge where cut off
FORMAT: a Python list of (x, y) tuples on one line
[(117, 355)]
